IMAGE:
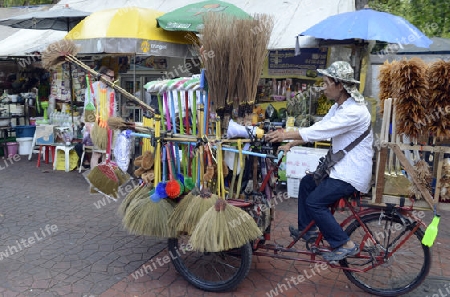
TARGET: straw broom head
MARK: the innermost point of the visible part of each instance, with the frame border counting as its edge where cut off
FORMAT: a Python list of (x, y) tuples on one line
[(144, 217), (216, 38), (253, 36), (136, 192), (223, 227), (192, 211), (56, 52), (99, 136), (104, 178)]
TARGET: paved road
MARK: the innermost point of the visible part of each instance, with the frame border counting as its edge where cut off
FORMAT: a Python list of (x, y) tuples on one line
[(57, 240)]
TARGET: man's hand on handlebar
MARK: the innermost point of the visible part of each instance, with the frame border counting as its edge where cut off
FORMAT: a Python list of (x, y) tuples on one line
[(275, 136)]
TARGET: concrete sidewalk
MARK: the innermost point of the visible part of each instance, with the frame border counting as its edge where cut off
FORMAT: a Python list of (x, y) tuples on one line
[(57, 240)]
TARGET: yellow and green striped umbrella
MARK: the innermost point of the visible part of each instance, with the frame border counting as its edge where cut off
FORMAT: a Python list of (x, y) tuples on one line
[(129, 30)]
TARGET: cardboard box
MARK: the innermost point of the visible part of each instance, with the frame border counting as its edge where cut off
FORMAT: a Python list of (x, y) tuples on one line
[(293, 185), (44, 134), (59, 132), (301, 159)]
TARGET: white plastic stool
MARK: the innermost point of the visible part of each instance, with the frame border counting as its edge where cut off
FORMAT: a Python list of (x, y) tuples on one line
[(66, 149)]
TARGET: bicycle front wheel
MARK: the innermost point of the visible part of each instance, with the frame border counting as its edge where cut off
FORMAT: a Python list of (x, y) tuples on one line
[(400, 273), (214, 272)]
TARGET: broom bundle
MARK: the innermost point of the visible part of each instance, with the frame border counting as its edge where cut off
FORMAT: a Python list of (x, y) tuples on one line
[(136, 192), (410, 88), (144, 217), (252, 48), (191, 209), (223, 226), (438, 75), (216, 38), (117, 123)]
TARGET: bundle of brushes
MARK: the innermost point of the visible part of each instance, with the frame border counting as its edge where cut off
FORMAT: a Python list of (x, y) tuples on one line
[(410, 88), (438, 75), (384, 77), (117, 123)]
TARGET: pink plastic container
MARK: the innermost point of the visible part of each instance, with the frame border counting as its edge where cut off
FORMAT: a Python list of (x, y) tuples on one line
[(12, 149)]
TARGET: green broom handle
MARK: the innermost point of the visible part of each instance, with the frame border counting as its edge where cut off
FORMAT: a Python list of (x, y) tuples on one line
[(161, 111)]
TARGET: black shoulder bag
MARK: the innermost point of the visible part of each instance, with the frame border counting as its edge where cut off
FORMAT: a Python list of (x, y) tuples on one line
[(330, 159)]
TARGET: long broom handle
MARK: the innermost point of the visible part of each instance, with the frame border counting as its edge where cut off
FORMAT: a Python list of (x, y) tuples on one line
[(73, 59)]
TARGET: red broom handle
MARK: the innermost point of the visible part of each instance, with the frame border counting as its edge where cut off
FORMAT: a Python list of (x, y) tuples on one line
[(169, 160), (111, 113)]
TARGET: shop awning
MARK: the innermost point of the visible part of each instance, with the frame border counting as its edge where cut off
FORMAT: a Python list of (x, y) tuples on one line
[(291, 17), (24, 42)]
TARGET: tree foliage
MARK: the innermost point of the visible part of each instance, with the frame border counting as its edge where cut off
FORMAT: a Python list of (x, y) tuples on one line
[(432, 17), (12, 3)]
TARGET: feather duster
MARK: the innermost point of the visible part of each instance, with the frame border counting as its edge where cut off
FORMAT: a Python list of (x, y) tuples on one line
[(438, 75), (384, 77), (410, 89)]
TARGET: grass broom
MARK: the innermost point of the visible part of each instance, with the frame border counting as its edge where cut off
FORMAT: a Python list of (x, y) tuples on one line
[(89, 109), (64, 50), (106, 177), (136, 192), (190, 209), (145, 217), (223, 226)]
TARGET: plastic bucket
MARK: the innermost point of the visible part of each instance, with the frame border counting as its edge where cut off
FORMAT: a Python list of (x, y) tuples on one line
[(25, 143), (12, 148), (24, 131)]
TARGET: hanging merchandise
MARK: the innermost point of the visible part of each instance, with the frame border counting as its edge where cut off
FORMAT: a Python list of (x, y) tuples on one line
[(384, 78), (410, 88), (438, 74), (107, 177), (89, 109)]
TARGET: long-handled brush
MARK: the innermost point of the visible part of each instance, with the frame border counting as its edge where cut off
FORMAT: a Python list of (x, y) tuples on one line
[(64, 50), (223, 226), (145, 217), (107, 177), (191, 209)]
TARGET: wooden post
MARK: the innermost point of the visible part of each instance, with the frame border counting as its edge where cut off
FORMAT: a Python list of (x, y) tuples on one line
[(410, 170), (382, 158)]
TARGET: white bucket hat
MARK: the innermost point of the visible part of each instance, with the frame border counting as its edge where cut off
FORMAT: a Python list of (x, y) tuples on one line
[(343, 72)]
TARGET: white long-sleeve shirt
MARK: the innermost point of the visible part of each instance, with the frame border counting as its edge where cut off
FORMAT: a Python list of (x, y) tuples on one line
[(343, 124)]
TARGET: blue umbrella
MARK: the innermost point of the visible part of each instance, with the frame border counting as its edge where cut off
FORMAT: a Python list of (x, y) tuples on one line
[(369, 24)]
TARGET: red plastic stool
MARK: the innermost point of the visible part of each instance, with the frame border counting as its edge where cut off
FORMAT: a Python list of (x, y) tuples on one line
[(47, 149)]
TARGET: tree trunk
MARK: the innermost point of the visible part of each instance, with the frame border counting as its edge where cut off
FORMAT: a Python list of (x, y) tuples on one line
[(359, 4)]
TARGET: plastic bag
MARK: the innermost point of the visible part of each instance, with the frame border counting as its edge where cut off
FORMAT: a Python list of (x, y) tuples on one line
[(271, 112), (122, 150)]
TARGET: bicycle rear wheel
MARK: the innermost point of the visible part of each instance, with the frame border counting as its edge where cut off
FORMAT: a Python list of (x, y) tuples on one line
[(214, 272), (400, 273)]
